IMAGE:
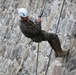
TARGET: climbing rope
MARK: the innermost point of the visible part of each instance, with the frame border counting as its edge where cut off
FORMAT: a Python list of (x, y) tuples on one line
[(42, 11), (60, 17), (37, 59), (48, 63), (56, 32)]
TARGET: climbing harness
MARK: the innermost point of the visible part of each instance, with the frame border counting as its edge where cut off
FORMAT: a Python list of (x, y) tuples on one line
[(59, 20)]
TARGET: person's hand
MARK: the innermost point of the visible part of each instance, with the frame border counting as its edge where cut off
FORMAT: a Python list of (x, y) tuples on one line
[(38, 20)]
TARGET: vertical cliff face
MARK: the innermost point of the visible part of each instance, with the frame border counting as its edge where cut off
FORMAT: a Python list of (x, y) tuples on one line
[(17, 57)]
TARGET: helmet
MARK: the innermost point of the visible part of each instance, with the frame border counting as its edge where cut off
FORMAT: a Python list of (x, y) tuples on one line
[(23, 12)]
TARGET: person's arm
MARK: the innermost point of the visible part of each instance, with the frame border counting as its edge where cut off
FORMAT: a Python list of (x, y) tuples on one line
[(37, 23), (35, 26)]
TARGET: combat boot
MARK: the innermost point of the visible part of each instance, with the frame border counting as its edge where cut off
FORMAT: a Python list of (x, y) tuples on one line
[(61, 54)]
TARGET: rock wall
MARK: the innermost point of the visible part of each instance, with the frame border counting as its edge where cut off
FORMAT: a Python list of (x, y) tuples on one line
[(17, 56)]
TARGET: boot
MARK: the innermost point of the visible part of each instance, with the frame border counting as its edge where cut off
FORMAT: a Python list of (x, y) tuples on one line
[(61, 54)]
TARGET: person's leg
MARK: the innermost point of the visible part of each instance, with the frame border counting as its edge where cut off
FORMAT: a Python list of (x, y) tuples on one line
[(54, 42)]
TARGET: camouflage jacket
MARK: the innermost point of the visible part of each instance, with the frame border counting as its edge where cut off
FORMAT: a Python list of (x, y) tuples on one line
[(29, 29)]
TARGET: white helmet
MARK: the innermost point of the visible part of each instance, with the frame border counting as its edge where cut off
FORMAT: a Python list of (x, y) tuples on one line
[(23, 12)]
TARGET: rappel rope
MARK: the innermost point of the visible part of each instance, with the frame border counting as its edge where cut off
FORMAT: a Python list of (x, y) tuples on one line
[(48, 63), (42, 11), (37, 59), (59, 20), (56, 32)]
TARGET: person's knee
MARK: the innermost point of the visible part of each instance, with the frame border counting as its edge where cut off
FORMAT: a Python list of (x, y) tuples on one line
[(54, 35)]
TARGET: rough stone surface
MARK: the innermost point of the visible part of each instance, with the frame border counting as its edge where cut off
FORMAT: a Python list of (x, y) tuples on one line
[(17, 57)]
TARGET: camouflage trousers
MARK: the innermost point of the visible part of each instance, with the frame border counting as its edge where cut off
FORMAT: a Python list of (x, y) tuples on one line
[(52, 39)]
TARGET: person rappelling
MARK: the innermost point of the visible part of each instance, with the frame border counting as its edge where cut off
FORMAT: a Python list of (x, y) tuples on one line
[(32, 29)]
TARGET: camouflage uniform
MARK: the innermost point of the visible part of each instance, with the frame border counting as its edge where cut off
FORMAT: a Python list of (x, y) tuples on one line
[(33, 31)]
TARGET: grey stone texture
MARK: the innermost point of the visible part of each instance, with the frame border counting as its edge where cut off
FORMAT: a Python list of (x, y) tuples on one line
[(18, 57)]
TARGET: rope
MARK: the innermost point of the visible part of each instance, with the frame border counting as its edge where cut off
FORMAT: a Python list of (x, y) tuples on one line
[(56, 32), (60, 16), (42, 10), (48, 63), (43, 7), (37, 59)]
